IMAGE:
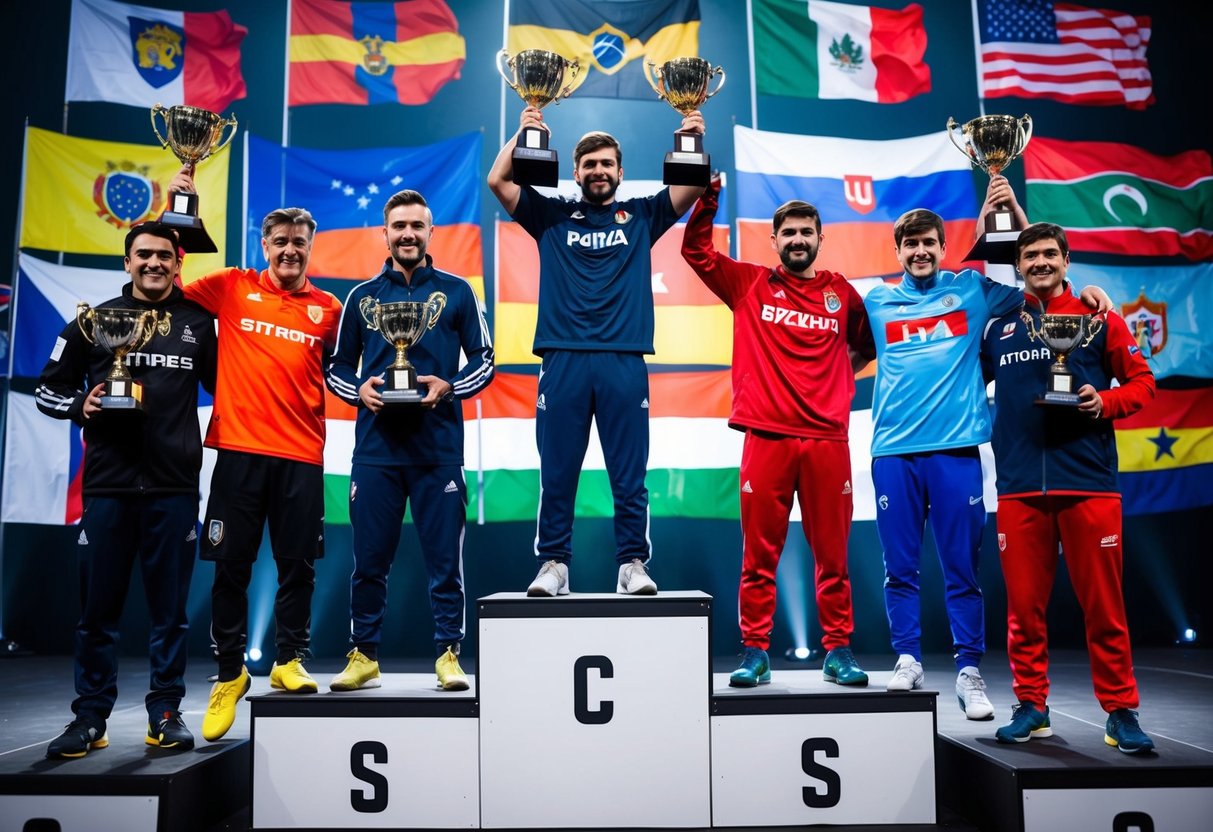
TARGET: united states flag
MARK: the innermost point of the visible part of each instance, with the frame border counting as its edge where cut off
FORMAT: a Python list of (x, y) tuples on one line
[(1073, 54)]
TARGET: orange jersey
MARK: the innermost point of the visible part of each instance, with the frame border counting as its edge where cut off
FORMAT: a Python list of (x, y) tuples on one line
[(269, 393)]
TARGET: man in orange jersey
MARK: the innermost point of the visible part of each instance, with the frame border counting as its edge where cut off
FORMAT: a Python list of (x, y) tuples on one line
[(275, 328)]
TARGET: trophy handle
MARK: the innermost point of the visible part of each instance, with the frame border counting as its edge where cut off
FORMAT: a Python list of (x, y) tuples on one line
[(148, 323), (505, 54), (571, 68), (717, 71), (84, 320), (434, 305), (368, 313), (223, 124), (652, 71), (1094, 327), (165, 325), (163, 111), (1025, 133), (1033, 333), (952, 130)]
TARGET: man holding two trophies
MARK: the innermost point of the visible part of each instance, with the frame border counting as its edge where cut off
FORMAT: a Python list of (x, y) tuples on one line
[(411, 450), (140, 480), (1057, 483)]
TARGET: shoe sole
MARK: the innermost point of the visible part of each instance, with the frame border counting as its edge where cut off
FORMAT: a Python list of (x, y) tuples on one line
[(540, 592), (96, 746), (343, 688), (454, 685), (761, 680), (644, 590), (304, 688), (983, 718), (176, 746), (856, 683), (1112, 742), (1039, 733)]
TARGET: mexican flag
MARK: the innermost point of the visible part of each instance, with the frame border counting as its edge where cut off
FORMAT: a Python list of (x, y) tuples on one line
[(821, 49), (1120, 199)]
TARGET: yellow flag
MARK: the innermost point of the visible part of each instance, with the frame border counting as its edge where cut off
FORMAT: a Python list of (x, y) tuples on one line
[(83, 195)]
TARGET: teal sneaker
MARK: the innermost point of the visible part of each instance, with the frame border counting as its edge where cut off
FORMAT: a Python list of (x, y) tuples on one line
[(841, 668), (755, 669), (1123, 732), (1026, 723)]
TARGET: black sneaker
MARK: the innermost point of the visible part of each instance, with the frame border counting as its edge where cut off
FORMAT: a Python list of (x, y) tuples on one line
[(78, 738), (170, 732)]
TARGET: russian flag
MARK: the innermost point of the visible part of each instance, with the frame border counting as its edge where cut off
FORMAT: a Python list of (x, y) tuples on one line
[(860, 187)]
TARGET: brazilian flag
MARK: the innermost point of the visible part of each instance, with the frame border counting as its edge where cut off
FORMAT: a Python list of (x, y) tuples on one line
[(611, 41)]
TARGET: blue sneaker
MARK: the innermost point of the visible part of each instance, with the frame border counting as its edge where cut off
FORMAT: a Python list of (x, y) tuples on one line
[(1123, 732), (1026, 723), (841, 668), (755, 669)]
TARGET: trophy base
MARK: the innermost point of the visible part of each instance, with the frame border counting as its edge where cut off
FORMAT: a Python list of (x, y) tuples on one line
[(995, 247), (190, 232), (405, 395), (122, 395), (536, 166), (121, 403), (1056, 399), (683, 168)]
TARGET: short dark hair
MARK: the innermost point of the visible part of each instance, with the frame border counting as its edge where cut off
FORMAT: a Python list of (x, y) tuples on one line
[(915, 222), (596, 140), (795, 208), (287, 216), (407, 197), (1042, 231), (154, 228)]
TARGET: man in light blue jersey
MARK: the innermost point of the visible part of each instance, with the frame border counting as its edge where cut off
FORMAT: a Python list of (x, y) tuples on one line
[(930, 414), (595, 325)]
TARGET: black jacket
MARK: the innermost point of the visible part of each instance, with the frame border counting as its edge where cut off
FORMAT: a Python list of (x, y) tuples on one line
[(157, 451)]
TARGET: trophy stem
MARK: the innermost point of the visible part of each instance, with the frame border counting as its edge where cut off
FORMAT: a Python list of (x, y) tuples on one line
[(119, 370), (402, 362)]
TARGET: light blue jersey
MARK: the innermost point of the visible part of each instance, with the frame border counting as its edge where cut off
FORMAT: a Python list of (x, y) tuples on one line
[(929, 393)]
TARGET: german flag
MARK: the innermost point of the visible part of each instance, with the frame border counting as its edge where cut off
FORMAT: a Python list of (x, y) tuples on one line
[(610, 41), (372, 53)]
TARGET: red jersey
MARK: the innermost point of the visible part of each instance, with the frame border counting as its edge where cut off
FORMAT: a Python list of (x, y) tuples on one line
[(791, 371), (269, 390)]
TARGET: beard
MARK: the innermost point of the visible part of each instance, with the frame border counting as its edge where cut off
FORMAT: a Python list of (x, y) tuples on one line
[(408, 262), (599, 199), (785, 257)]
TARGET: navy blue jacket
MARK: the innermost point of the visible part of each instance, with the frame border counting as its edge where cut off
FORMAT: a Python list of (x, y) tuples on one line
[(1054, 449), (408, 435)]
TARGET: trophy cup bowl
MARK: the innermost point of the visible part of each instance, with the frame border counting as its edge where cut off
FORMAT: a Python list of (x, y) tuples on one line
[(1062, 334), (683, 84), (539, 78), (402, 324), (992, 142), (192, 134), (119, 331)]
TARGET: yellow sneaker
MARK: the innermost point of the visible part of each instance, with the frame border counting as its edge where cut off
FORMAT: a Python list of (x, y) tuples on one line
[(221, 709), (450, 674), (361, 672), (293, 677)]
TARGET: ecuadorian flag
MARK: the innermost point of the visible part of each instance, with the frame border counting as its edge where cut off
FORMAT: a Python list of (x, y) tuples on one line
[(610, 41)]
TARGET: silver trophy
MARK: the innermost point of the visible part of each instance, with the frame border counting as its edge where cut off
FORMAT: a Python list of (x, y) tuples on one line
[(402, 324), (1062, 334), (192, 134), (119, 331), (992, 143), (539, 78), (683, 84)]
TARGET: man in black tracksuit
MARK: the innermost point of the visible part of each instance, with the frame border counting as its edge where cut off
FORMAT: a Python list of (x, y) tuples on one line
[(140, 490)]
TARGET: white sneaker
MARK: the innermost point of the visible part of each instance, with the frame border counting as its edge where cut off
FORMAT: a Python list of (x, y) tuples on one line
[(971, 693), (552, 580), (907, 673), (634, 579)]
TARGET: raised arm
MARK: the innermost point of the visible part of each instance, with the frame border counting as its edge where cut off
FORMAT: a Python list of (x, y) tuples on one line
[(684, 196), (1000, 194), (501, 174)]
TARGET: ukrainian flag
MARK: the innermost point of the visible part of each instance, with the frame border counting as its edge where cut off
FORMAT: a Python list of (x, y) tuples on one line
[(610, 40)]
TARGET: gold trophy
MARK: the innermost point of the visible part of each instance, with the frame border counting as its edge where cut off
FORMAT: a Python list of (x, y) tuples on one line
[(192, 134), (119, 331), (1062, 334), (683, 84), (992, 143), (539, 78), (402, 324)]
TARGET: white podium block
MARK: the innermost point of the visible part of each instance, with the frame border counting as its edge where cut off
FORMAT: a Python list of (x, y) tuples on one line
[(594, 710), (403, 756), (802, 752)]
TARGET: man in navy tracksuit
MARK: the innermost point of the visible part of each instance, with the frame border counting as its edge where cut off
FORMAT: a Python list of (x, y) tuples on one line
[(140, 491), (408, 452), (594, 328), (1057, 483)]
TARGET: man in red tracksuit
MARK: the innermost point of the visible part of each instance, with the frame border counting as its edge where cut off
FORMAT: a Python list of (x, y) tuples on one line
[(799, 335), (1057, 482)]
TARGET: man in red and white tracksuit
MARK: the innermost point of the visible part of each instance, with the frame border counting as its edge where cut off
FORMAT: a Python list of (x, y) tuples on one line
[(799, 334), (1057, 482)]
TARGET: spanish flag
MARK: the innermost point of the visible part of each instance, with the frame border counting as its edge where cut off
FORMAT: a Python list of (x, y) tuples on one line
[(372, 53), (610, 41)]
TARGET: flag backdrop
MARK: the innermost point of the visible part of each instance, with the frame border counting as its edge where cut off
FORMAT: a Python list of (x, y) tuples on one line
[(346, 189), (142, 56), (821, 49), (1166, 453), (1120, 199), (860, 187), (611, 41), (1072, 54), (82, 195), (372, 53)]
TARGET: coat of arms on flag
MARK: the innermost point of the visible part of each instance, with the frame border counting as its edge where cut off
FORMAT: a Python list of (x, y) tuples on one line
[(1147, 319)]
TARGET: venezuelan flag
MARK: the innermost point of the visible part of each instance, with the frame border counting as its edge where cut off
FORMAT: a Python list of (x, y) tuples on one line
[(372, 53), (1166, 453), (610, 41)]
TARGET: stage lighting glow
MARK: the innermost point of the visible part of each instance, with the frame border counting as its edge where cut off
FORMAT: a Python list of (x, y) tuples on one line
[(801, 653), (1188, 635), (254, 654)]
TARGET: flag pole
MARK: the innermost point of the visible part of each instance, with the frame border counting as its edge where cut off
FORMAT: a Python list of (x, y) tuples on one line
[(505, 42), (479, 463), (65, 109), (749, 10), (981, 99), (286, 82), (244, 218)]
